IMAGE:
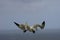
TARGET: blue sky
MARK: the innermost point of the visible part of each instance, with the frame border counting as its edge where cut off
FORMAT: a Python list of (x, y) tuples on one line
[(31, 11)]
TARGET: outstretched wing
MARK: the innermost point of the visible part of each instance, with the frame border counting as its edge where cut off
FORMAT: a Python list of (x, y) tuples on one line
[(38, 25), (21, 26)]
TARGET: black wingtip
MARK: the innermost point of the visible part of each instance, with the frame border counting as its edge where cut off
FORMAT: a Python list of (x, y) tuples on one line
[(43, 25), (16, 23), (43, 22)]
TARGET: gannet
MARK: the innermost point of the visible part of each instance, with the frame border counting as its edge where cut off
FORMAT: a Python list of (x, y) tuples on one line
[(25, 27)]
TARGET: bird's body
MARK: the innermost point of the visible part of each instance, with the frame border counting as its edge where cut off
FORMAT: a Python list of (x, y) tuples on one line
[(26, 27)]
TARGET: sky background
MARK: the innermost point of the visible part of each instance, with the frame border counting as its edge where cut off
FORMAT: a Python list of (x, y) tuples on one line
[(30, 11)]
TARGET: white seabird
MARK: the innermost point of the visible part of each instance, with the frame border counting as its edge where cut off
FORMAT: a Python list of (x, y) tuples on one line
[(25, 27)]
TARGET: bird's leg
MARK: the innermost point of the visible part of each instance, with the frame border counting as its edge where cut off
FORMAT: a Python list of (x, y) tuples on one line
[(33, 31), (24, 30)]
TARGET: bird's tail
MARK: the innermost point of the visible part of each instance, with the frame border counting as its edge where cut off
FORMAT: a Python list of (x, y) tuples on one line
[(16, 23)]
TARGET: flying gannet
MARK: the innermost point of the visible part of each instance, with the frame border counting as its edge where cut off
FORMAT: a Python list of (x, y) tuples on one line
[(25, 27)]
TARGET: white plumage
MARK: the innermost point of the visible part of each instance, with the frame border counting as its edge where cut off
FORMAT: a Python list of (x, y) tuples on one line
[(25, 27)]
